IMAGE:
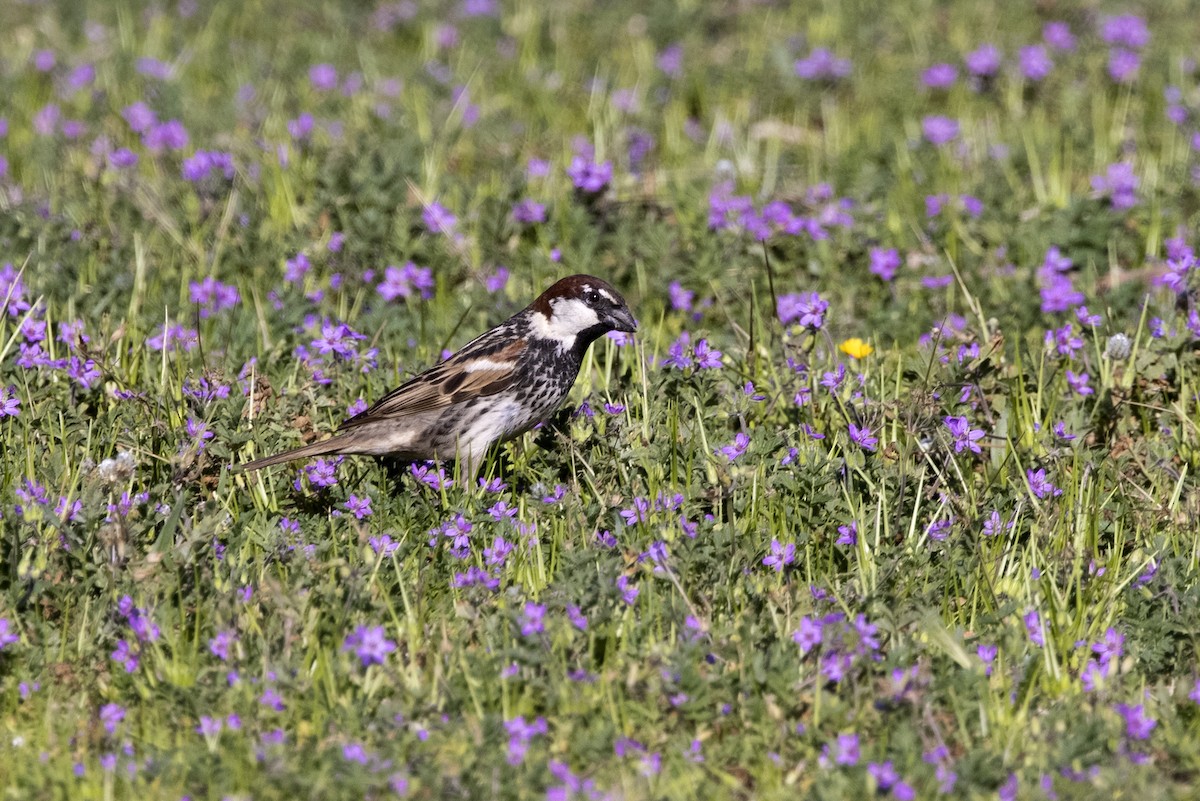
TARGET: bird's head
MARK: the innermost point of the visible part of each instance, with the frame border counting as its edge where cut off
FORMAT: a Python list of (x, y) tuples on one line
[(578, 310)]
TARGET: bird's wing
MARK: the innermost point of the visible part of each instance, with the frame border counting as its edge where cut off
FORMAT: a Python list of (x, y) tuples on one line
[(483, 367)]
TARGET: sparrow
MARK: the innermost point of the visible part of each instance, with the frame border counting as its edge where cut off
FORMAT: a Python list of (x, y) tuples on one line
[(498, 386)]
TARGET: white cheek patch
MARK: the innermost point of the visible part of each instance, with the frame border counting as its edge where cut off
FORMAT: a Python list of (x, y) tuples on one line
[(488, 364), (568, 317)]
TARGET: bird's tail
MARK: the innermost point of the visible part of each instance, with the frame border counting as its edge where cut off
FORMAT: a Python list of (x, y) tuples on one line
[(326, 446)]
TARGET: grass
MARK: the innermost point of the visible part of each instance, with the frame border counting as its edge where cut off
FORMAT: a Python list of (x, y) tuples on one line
[(779, 571)]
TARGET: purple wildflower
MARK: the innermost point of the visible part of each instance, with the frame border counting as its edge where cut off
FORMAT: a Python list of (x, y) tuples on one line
[(370, 644), (213, 296), (939, 130), (965, 437), (1041, 486), (7, 635), (884, 263), (781, 555), (1119, 183), (111, 716), (10, 403), (529, 211), (1035, 62), (863, 438), (323, 77), (533, 619), (401, 282), (589, 176), (1123, 65), (822, 65), (1058, 35), (707, 358), (359, 507), (1138, 725), (807, 308), (438, 219), (736, 448), (1034, 627), (984, 62), (940, 76), (1125, 30)]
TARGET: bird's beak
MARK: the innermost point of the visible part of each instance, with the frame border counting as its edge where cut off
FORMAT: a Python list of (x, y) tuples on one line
[(621, 319)]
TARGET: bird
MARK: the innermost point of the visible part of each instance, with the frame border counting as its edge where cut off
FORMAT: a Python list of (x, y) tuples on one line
[(496, 387)]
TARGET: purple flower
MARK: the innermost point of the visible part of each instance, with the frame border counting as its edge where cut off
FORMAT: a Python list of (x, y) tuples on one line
[(272, 700), (122, 158), (301, 127), (1041, 486), (400, 282), (848, 534), (629, 594), (519, 735), (589, 176), (209, 726), (735, 449), (359, 507), (884, 263), (529, 211), (1125, 30), (862, 438), (940, 76), (846, 749), (707, 358), (1035, 62), (781, 555), (370, 644), (323, 77), (987, 655), (1034, 627), (884, 774), (679, 354), (1119, 183), (1058, 35), (965, 437), (1123, 65), (139, 117), (670, 61), (822, 64), (985, 61), (170, 135), (806, 308), (199, 165), (532, 619), (219, 645), (994, 525), (939, 130), (1079, 383), (213, 296), (10, 403), (1111, 647), (7, 635), (438, 219), (111, 716), (577, 618), (1064, 340), (153, 68), (1137, 725)]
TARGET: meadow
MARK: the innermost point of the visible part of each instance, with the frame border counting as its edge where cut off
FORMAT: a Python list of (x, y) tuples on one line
[(892, 494)]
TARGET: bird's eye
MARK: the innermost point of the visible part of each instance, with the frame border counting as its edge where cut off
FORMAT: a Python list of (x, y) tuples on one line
[(591, 297)]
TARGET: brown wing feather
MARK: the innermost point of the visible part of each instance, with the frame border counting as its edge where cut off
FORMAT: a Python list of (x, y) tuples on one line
[(446, 384)]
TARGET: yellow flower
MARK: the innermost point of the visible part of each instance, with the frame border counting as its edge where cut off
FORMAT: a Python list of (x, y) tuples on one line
[(856, 348)]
